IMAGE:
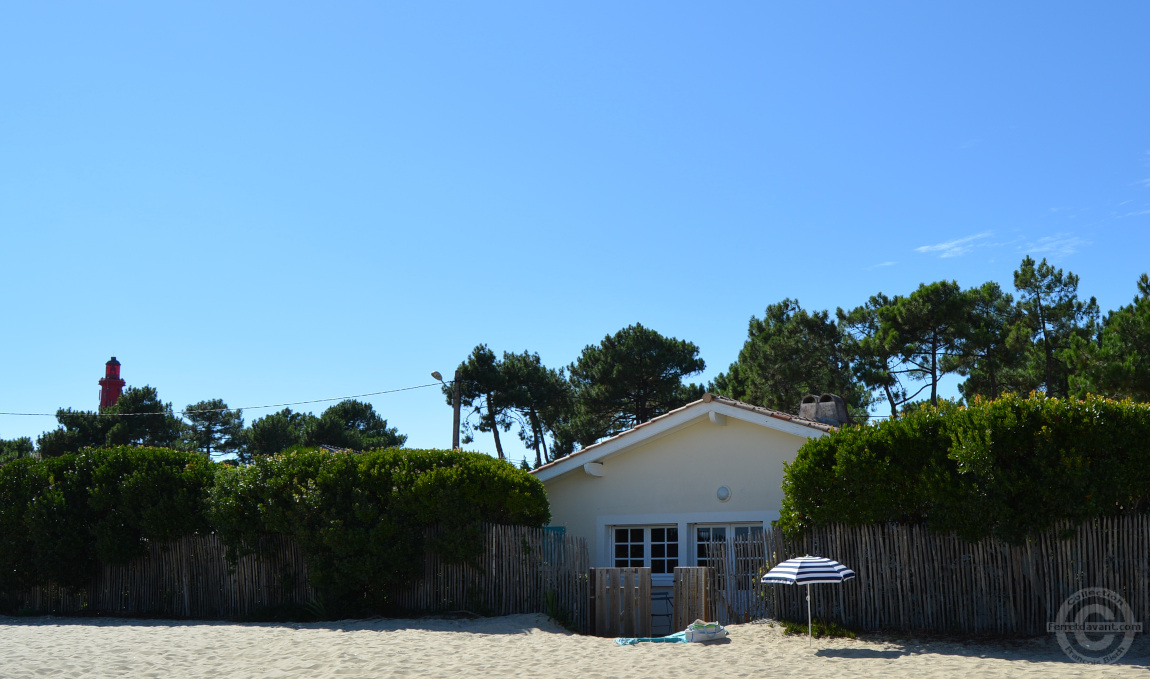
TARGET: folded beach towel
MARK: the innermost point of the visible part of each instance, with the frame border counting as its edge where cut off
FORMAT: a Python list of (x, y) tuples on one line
[(676, 638), (698, 631)]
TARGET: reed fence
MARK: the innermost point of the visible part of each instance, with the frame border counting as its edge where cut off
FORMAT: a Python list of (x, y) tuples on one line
[(521, 570), (911, 579), (187, 578)]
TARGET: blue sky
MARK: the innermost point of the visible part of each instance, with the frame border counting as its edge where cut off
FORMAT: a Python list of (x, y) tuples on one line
[(278, 202)]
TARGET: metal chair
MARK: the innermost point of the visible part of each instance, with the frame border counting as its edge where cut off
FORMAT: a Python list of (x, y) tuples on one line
[(662, 608)]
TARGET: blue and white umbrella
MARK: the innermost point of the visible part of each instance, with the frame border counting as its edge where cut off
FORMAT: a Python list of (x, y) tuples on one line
[(808, 570)]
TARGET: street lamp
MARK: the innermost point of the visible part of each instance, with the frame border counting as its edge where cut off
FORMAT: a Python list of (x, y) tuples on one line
[(455, 403)]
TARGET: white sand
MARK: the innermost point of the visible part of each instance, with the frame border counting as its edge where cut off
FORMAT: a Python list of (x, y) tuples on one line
[(512, 646)]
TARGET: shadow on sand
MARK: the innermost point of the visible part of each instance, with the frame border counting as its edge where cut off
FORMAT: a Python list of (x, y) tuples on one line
[(512, 624), (858, 653), (1032, 649)]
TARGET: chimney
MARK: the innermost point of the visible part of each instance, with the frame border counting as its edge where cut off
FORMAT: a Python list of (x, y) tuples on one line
[(828, 409)]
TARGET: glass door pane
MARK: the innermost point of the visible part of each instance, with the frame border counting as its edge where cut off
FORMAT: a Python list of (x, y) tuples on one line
[(703, 536), (629, 547), (664, 550)]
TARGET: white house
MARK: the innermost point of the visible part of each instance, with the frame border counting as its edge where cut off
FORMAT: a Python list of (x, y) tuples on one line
[(656, 494)]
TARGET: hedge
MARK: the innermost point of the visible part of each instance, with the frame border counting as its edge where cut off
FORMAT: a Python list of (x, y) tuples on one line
[(60, 516), (1006, 468), (359, 518)]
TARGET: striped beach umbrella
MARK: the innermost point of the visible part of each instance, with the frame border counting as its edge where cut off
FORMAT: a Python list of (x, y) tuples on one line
[(808, 570)]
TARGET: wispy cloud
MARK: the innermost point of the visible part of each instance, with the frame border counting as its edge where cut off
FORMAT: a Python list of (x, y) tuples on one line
[(1057, 246), (1143, 182), (1135, 214), (876, 266), (954, 248)]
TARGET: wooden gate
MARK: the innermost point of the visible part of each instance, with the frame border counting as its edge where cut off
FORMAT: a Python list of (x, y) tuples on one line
[(621, 602), (694, 596)]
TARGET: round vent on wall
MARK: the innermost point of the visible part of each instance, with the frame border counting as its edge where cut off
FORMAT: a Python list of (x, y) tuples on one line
[(723, 493)]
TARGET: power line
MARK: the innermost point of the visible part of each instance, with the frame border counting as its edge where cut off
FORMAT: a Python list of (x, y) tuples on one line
[(220, 410)]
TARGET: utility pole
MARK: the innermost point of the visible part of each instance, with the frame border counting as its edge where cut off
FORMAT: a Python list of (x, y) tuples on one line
[(457, 402)]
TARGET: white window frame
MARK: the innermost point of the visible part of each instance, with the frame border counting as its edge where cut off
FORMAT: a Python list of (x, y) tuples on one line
[(648, 544), (686, 522)]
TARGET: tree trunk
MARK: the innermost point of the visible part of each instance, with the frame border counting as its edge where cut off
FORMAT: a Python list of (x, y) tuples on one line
[(491, 414), (537, 432), (890, 400), (934, 371)]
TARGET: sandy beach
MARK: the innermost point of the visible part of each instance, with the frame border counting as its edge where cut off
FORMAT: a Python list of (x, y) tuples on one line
[(511, 646)]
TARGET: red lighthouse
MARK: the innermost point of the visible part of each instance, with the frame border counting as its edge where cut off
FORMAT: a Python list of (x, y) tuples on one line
[(111, 386)]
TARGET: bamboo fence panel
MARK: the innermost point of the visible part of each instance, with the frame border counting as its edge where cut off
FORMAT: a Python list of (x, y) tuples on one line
[(187, 578), (521, 570), (911, 579)]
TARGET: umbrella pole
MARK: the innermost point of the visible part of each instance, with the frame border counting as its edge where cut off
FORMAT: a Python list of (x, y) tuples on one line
[(810, 633)]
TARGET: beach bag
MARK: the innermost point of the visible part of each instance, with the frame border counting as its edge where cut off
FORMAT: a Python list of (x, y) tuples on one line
[(704, 631)]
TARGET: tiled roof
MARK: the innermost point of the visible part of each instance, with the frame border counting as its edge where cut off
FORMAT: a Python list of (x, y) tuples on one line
[(777, 414)]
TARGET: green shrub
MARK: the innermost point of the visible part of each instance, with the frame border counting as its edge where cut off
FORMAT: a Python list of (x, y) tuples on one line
[(21, 482), (60, 516), (819, 629), (60, 522), (1008, 468), (147, 494), (360, 519)]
